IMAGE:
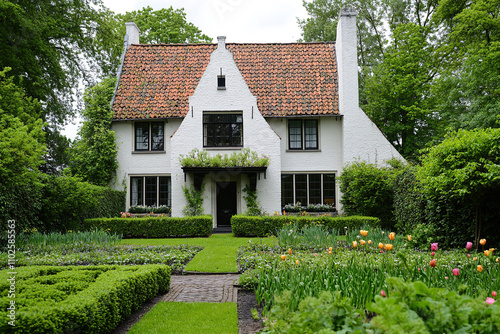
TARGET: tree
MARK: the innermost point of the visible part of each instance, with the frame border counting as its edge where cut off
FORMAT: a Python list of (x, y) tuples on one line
[(166, 25), (21, 136), (93, 156), (464, 168), (399, 94)]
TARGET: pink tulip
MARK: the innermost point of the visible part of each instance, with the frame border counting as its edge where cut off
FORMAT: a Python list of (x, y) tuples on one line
[(468, 246), (382, 293), (456, 272), (433, 253), (493, 293), (446, 277), (434, 246), (490, 300), (468, 255)]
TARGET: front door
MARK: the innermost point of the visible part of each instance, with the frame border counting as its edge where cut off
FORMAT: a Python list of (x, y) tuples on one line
[(226, 203)]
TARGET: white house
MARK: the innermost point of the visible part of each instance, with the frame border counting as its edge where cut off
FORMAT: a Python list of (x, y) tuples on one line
[(296, 103)]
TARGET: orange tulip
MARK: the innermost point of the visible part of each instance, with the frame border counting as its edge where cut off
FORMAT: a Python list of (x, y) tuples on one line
[(380, 245), (362, 242), (388, 247), (433, 263), (482, 242), (409, 237), (283, 257), (369, 242), (330, 252), (330, 249), (475, 258), (492, 250), (296, 261), (487, 252), (392, 235), (354, 244), (290, 251), (480, 268), (497, 260), (363, 233)]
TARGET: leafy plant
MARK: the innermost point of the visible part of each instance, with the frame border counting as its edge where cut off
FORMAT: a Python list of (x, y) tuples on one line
[(253, 207), (195, 201), (243, 158)]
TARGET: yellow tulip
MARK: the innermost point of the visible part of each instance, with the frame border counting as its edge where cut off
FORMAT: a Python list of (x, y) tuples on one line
[(480, 268), (363, 233), (380, 245), (369, 242), (482, 242), (487, 252), (362, 242), (388, 247), (296, 261), (497, 259), (354, 244), (392, 235)]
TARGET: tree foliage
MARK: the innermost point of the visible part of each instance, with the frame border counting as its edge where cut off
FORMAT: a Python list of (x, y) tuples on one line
[(93, 156), (167, 25)]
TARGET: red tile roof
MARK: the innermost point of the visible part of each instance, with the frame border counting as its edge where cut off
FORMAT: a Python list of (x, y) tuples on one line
[(295, 79)]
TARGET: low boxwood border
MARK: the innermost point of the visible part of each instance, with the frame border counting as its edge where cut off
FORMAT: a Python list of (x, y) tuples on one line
[(261, 226), (99, 308), (154, 227)]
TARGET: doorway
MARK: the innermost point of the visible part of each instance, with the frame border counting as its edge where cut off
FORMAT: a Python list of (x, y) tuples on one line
[(226, 202)]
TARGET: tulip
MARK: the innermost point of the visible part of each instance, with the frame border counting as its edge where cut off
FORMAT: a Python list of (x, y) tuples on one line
[(363, 233), (354, 244), (388, 247), (497, 260), (468, 246), (362, 242), (369, 242), (283, 257), (487, 252), (330, 249), (492, 250), (490, 300), (446, 277), (297, 262), (330, 252), (434, 246), (479, 268), (456, 272), (475, 258), (482, 242), (493, 293), (380, 245), (382, 293), (433, 263), (433, 253), (290, 251), (392, 235), (409, 237)]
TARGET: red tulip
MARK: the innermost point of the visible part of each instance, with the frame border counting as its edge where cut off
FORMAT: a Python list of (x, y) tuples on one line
[(434, 246), (433, 263), (456, 271), (493, 293)]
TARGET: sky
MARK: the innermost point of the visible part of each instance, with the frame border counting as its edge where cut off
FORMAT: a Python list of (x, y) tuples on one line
[(241, 21)]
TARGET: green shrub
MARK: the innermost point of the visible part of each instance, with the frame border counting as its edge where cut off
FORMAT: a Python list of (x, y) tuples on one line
[(194, 199), (149, 209), (243, 226), (409, 202), (368, 191), (154, 227), (79, 299)]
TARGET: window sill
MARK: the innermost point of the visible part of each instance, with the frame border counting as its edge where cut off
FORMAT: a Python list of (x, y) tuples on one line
[(149, 152), (303, 151), (224, 148)]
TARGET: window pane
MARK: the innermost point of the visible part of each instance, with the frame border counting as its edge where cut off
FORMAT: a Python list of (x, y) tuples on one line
[(286, 189), (237, 134), (165, 191), (314, 188), (141, 136), (208, 135), (157, 136), (329, 189), (151, 192), (301, 188), (311, 134), (136, 191), (295, 134)]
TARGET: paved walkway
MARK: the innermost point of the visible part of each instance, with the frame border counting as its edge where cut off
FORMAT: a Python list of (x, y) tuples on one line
[(203, 288)]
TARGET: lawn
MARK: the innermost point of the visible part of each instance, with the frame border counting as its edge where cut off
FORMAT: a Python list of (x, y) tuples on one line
[(219, 250), (180, 317)]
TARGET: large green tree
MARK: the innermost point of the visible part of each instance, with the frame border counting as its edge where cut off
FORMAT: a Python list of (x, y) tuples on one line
[(166, 25), (93, 156)]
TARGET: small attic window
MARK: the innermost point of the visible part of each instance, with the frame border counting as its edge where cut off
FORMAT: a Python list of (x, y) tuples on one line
[(221, 82)]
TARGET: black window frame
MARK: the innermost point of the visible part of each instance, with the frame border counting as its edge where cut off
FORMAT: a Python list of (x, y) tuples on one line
[(214, 121), (290, 182), (144, 196), (298, 137), (154, 139)]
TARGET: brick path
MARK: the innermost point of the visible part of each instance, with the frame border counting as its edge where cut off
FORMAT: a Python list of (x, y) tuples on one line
[(203, 288)]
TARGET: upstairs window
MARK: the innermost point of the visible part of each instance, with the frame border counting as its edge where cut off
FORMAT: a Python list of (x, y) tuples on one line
[(222, 129), (149, 136), (303, 134)]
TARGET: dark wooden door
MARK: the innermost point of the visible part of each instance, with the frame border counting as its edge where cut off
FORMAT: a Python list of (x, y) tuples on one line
[(226, 202)]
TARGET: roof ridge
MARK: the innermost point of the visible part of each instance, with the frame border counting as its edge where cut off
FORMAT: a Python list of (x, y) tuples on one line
[(233, 43)]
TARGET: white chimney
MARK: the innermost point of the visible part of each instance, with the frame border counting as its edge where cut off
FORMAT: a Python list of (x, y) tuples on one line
[(131, 34), (221, 42), (347, 60)]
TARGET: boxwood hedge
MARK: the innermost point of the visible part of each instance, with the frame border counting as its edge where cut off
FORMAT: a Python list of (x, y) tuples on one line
[(90, 299), (154, 227), (243, 226)]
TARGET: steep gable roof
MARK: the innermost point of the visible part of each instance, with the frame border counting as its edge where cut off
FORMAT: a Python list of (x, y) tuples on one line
[(295, 79)]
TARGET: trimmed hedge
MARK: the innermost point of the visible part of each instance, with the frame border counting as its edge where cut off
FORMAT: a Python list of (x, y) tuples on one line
[(268, 225), (78, 299), (154, 227)]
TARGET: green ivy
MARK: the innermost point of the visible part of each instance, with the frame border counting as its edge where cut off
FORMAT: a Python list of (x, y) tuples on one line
[(253, 207), (195, 201)]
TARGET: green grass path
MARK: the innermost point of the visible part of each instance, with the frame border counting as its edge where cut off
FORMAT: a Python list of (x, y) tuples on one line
[(219, 250)]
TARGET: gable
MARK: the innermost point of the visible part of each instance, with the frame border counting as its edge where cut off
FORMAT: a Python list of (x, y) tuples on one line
[(295, 79)]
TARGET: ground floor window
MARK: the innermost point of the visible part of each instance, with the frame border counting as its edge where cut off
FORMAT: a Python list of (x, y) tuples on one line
[(307, 189), (150, 191)]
